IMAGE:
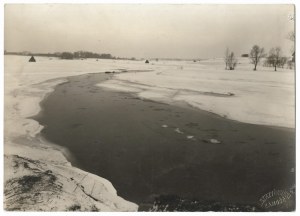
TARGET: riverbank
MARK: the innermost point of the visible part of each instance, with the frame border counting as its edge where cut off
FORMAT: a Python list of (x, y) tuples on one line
[(37, 176), (148, 149)]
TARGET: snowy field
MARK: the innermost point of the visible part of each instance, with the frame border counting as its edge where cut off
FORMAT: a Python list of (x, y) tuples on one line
[(259, 97)]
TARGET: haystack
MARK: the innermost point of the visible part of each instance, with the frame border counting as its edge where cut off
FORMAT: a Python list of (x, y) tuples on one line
[(32, 59)]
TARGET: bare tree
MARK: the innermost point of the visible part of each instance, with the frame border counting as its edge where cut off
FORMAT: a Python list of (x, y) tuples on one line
[(282, 61), (291, 37), (275, 57), (226, 58), (290, 64), (256, 54), (230, 60)]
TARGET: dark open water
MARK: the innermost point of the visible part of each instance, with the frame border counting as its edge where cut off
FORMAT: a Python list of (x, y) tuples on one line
[(120, 137)]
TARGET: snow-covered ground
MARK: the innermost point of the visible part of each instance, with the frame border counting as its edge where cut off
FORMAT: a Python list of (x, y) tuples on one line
[(260, 97), (30, 159)]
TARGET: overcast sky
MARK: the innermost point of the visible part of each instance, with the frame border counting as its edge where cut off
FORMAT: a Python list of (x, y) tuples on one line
[(177, 31)]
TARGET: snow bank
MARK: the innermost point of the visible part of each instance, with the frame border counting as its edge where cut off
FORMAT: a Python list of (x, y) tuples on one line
[(29, 158), (260, 97)]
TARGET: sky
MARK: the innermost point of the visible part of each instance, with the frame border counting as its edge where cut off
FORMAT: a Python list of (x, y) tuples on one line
[(147, 31)]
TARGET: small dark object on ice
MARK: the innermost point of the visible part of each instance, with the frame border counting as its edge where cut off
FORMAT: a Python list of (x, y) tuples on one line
[(147, 62), (32, 59)]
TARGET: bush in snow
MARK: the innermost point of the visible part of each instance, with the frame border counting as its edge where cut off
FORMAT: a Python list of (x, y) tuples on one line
[(230, 60)]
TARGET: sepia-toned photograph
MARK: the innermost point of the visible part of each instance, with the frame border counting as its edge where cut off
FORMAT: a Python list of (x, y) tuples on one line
[(149, 108)]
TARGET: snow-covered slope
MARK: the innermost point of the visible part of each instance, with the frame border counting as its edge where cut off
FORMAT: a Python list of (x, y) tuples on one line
[(37, 175), (259, 97)]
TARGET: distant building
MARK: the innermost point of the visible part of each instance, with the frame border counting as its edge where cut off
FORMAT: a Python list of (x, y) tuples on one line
[(32, 59), (147, 62)]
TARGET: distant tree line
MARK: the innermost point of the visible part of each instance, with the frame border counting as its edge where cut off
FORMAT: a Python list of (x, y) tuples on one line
[(65, 55), (84, 54)]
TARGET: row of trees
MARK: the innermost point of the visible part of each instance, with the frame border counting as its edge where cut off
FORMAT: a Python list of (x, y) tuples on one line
[(65, 55), (273, 59), (84, 54)]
